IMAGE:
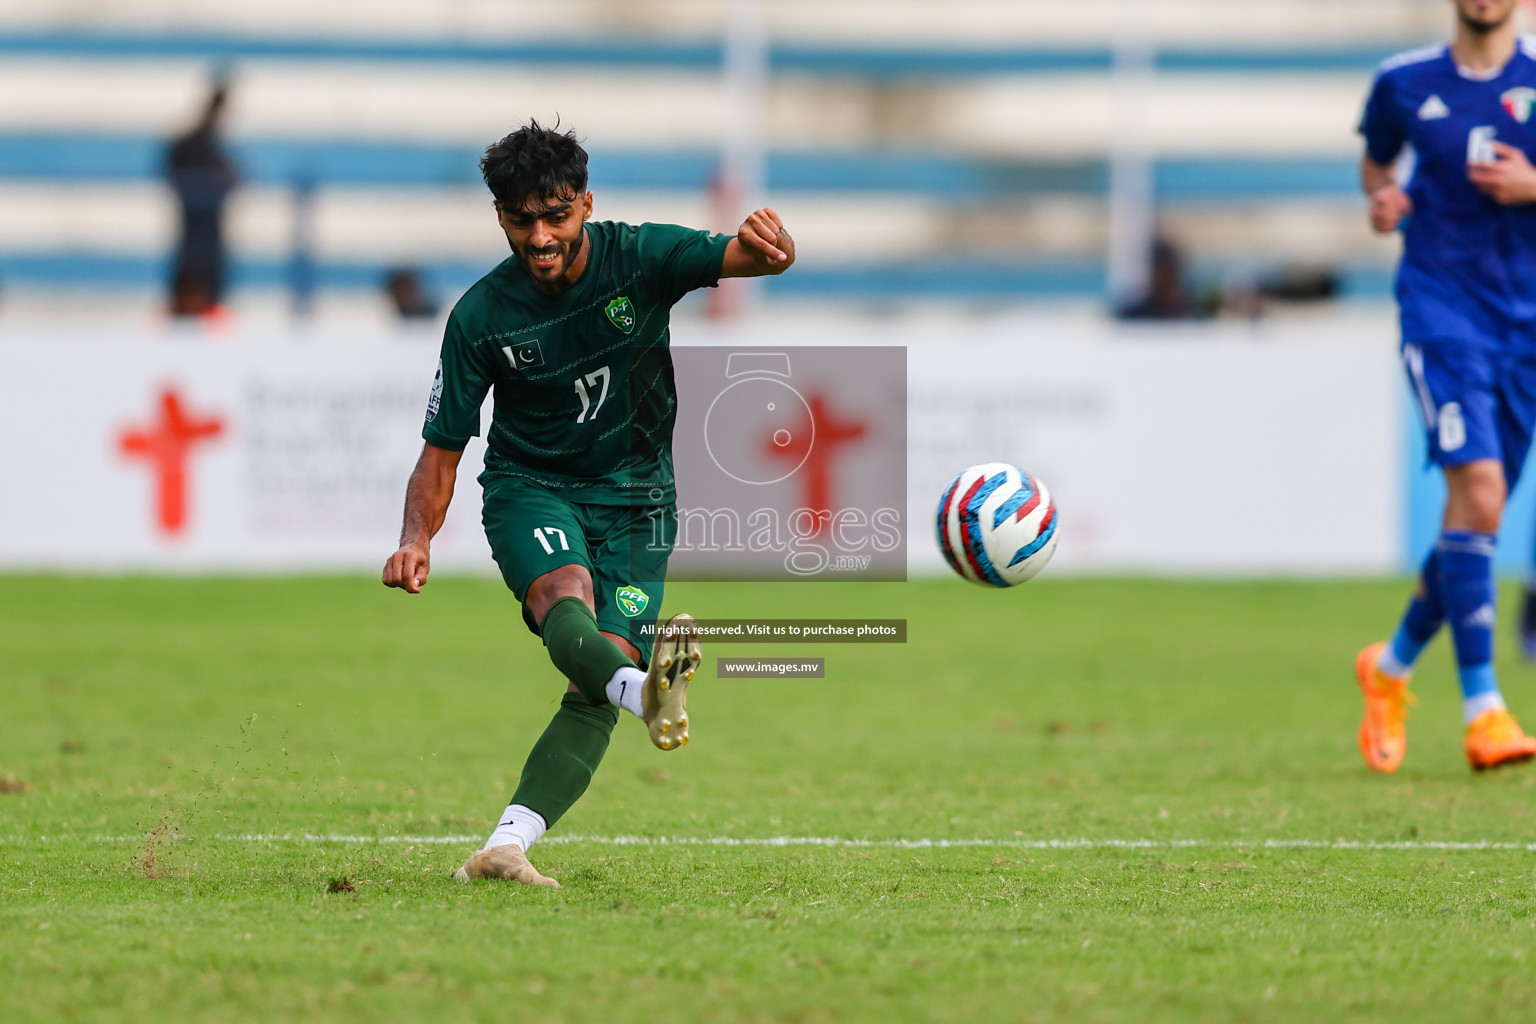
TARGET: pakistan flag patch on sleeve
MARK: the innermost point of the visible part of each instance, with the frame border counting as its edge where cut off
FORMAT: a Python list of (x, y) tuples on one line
[(621, 313), (632, 600)]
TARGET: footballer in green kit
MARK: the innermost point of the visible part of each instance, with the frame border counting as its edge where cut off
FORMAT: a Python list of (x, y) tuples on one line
[(570, 336)]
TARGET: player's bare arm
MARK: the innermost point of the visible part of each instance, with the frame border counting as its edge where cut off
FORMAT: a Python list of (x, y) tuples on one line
[(1389, 203), (761, 247), (426, 504), (1509, 180)]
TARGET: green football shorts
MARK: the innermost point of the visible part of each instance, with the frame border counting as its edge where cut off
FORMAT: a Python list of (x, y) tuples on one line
[(533, 531)]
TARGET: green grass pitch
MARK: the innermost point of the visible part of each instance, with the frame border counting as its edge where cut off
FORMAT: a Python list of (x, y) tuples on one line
[(150, 727)]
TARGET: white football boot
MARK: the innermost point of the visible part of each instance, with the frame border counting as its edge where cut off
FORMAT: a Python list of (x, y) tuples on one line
[(664, 693), (508, 862)]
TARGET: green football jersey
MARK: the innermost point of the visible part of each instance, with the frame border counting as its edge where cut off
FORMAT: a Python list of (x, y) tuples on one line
[(584, 398)]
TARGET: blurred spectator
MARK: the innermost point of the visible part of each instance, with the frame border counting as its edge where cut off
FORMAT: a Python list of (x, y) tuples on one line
[(1302, 284), (202, 174), (1168, 296), (408, 295), (1245, 296)]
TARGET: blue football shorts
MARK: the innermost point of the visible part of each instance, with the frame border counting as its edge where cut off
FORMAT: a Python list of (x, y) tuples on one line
[(1476, 403)]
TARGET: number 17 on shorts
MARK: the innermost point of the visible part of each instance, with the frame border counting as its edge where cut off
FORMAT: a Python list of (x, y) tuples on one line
[(548, 536)]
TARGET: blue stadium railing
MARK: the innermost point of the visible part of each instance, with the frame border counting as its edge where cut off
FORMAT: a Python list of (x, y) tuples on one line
[(863, 62), (977, 281), (85, 157)]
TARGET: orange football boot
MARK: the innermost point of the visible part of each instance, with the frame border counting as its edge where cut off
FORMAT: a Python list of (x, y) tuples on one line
[(1495, 739), (1384, 730)]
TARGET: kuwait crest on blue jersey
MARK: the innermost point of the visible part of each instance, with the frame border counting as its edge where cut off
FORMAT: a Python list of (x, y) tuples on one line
[(1519, 102)]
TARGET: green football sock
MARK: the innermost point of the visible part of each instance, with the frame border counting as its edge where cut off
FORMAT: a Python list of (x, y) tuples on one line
[(561, 764), (579, 650)]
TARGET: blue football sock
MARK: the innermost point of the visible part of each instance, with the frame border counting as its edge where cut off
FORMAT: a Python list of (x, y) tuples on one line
[(1467, 592), (1422, 620)]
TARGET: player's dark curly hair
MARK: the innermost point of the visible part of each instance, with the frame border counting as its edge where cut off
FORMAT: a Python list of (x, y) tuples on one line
[(535, 162)]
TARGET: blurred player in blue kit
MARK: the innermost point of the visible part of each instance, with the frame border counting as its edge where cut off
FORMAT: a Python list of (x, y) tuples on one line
[(1466, 289)]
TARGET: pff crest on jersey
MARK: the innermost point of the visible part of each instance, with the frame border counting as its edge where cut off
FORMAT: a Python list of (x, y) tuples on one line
[(1519, 102), (621, 313)]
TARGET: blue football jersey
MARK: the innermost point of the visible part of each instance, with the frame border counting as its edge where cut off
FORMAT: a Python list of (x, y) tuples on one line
[(1468, 270)]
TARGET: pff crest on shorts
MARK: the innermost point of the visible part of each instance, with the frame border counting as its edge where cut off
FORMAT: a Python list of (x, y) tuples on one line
[(631, 600)]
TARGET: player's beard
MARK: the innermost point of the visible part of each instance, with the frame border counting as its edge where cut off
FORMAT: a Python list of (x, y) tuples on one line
[(558, 280), (1483, 28)]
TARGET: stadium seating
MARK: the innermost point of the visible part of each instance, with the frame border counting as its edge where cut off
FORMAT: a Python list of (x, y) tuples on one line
[(973, 134)]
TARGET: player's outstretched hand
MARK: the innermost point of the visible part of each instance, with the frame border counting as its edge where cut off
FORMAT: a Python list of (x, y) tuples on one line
[(1389, 205), (1509, 180), (407, 569), (762, 234)]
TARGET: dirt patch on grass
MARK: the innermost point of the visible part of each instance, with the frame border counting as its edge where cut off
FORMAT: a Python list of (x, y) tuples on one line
[(149, 857), (11, 784), (341, 884)]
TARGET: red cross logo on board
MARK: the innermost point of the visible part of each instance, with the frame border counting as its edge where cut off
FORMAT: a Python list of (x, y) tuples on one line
[(166, 444), (828, 433)]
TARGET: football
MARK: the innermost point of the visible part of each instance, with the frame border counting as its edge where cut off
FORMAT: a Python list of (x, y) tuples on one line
[(997, 525)]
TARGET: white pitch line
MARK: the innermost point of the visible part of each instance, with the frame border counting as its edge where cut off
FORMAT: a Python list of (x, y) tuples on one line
[(829, 842)]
